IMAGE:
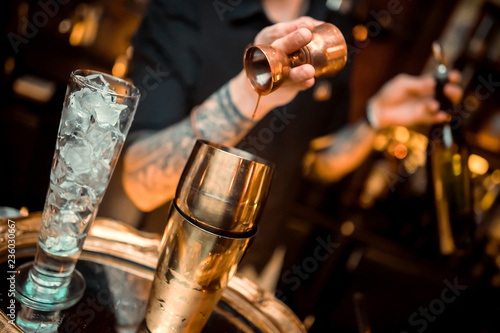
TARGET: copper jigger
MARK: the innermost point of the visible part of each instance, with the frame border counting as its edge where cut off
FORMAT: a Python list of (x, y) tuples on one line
[(267, 67)]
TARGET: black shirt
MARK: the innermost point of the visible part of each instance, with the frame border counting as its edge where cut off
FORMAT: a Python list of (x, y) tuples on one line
[(200, 44)]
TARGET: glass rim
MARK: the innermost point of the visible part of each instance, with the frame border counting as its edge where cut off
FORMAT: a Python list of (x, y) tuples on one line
[(134, 91), (239, 153)]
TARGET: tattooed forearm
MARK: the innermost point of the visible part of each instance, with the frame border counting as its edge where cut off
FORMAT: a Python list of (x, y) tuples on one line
[(346, 150), (151, 164), (154, 162), (348, 139), (218, 120)]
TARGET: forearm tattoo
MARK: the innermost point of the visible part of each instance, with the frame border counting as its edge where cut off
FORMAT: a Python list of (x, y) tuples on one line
[(344, 152), (154, 163), (347, 140), (218, 120)]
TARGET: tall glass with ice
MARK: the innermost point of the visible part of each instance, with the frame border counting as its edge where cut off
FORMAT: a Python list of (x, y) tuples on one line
[(97, 113)]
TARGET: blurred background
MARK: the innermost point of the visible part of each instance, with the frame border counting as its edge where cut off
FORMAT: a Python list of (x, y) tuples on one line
[(385, 267)]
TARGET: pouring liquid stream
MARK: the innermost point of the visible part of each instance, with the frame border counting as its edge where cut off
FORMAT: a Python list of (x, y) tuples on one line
[(256, 105)]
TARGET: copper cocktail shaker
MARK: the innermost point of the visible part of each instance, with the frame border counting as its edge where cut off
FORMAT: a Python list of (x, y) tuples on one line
[(212, 221), (267, 67)]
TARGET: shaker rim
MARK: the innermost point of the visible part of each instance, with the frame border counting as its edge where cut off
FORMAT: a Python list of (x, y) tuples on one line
[(238, 153)]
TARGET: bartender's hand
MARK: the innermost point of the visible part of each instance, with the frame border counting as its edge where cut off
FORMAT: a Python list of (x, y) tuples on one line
[(289, 37), (409, 100)]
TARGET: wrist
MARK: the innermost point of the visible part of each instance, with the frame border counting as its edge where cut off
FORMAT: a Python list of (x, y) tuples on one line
[(245, 98), (371, 116)]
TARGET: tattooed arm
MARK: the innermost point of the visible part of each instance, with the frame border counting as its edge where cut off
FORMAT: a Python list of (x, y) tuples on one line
[(345, 151), (154, 161)]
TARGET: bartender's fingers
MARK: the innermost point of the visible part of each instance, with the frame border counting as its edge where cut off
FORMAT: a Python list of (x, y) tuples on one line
[(293, 41), (271, 33), (437, 118), (453, 92), (302, 77), (306, 22), (455, 76), (279, 30), (425, 112), (419, 85), (302, 22), (429, 113), (431, 106), (404, 85)]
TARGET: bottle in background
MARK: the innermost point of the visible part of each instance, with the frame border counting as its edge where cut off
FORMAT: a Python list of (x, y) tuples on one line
[(449, 175)]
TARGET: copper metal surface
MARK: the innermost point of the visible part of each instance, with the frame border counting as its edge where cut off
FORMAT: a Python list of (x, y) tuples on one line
[(194, 268), (267, 67), (212, 220), (223, 189)]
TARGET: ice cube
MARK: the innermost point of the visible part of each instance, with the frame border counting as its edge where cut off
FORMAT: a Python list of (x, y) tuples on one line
[(96, 177), (98, 102), (90, 100), (67, 216), (52, 244), (108, 114), (59, 171), (78, 195), (88, 192), (56, 197), (68, 243), (78, 156), (99, 176), (62, 244), (98, 80), (70, 196), (83, 206), (102, 142), (75, 118), (70, 190), (66, 222), (95, 80), (117, 135)]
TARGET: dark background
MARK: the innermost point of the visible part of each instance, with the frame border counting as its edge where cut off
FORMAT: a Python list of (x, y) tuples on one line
[(387, 258)]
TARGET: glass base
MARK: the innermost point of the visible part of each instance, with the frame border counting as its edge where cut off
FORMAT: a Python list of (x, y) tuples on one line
[(30, 320), (48, 293)]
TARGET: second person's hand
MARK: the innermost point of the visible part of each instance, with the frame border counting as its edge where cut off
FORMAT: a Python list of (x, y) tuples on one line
[(409, 100)]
